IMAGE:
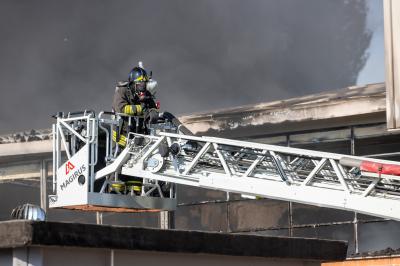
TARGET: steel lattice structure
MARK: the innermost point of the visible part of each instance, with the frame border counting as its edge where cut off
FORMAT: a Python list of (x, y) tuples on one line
[(252, 169)]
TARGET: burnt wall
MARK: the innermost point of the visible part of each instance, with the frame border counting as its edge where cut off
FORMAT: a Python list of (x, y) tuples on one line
[(208, 210)]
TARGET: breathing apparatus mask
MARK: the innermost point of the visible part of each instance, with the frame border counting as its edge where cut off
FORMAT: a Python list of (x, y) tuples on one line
[(140, 86)]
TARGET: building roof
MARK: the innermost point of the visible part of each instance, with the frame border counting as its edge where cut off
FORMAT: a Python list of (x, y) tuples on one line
[(26, 136), (19, 233), (351, 105)]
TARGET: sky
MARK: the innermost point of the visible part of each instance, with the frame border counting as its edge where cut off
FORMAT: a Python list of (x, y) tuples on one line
[(205, 54), (374, 70)]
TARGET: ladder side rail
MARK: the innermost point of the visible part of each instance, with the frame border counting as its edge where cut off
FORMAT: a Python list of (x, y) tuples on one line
[(330, 198), (295, 151), (337, 171), (275, 148), (171, 177)]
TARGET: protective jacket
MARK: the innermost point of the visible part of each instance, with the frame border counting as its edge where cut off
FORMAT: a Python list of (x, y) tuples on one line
[(127, 102)]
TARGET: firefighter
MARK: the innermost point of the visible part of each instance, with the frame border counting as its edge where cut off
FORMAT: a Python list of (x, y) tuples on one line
[(132, 98)]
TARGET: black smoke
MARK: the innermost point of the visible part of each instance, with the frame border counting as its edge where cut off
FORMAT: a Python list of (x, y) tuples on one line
[(67, 55)]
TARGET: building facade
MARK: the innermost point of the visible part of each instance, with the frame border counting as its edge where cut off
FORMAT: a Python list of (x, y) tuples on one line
[(347, 121)]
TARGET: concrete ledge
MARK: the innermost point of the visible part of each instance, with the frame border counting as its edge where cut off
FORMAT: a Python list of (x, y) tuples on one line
[(15, 234), (34, 150)]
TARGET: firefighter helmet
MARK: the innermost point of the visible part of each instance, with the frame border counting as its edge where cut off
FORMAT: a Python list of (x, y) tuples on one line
[(138, 74)]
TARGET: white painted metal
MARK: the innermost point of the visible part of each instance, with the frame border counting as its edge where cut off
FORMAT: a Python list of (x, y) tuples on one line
[(79, 164), (113, 167), (253, 169), (67, 179), (316, 178), (392, 65), (74, 178)]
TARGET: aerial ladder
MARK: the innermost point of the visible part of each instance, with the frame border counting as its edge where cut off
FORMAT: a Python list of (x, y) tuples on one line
[(85, 178)]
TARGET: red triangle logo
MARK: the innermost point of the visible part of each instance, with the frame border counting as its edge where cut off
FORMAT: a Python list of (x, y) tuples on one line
[(68, 167)]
